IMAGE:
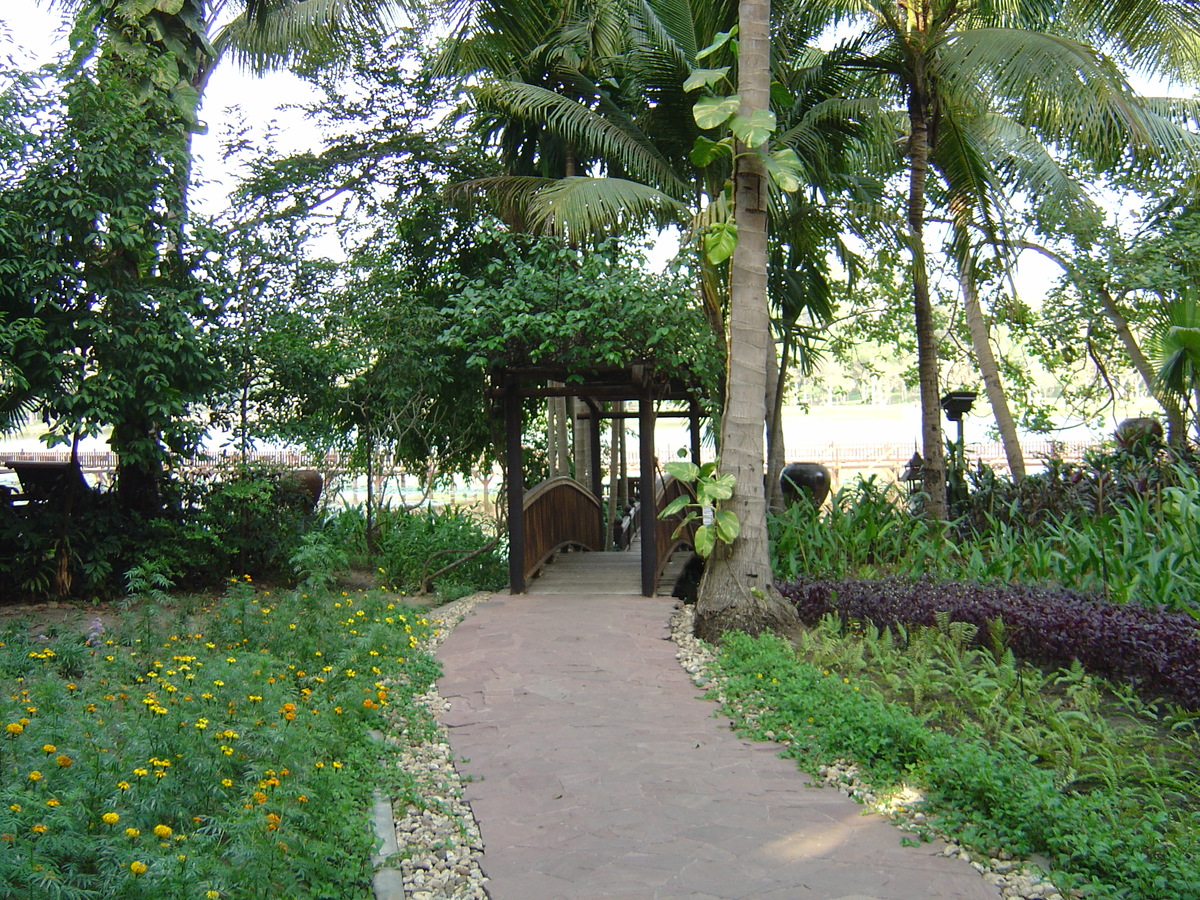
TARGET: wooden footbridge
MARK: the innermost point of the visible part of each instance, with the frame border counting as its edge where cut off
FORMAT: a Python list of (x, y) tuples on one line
[(561, 516)]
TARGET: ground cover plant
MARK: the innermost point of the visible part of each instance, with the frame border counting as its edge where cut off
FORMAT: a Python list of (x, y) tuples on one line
[(1120, 526), (971, 660), (1009, 758), (206, 752)]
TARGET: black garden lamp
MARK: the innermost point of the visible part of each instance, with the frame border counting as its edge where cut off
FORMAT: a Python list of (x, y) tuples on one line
[(956, 404)]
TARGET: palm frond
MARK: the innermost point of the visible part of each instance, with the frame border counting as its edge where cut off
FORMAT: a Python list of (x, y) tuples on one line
[(271, 35), (1063, 89), (1157, 37), (581, 209), (1175, 347), (591, 133)]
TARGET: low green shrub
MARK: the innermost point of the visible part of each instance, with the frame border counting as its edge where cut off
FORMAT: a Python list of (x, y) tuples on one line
[(1133, 837), (410, 544)]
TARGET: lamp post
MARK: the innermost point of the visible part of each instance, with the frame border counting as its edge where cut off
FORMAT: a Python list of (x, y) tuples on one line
[(956, 404)]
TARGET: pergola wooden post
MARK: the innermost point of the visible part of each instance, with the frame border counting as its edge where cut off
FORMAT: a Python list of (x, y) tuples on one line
[(514, 475), (649, 510)]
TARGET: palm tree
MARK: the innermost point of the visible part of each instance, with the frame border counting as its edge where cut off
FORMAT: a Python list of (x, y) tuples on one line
[(737, 590), (950, 59)]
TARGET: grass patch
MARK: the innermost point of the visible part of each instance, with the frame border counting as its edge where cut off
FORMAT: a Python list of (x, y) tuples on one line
[(204, 753)]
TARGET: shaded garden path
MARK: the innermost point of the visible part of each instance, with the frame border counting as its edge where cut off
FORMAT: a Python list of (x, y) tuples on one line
[(598, 771)]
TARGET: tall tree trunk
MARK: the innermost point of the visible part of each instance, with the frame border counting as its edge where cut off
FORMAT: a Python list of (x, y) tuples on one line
[(737, 591), (989, 370), (927, 352)]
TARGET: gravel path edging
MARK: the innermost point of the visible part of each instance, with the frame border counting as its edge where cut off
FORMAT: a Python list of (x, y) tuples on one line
[(431, 853)]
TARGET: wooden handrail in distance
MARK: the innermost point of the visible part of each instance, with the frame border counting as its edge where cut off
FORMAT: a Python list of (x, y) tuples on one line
[(560, 512)]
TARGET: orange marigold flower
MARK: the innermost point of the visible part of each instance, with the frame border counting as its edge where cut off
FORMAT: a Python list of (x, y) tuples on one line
[(63, 761)]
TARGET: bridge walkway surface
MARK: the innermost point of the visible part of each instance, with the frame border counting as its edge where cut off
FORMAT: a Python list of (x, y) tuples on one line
[(598, 770)]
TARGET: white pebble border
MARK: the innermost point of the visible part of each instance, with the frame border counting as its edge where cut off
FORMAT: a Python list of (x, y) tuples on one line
[(1016, 879), (440, 845)]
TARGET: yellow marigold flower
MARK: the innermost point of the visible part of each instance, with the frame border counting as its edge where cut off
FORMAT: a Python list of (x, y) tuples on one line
[(212, 895), (49, 748), (226, 782), (14, 728), (110, 818), (35, 775), (64, 761), (137, 867), (16, 807), (141, 773), (132, 832), (39, 828), (123, 785), (53, 802), (162, 831)]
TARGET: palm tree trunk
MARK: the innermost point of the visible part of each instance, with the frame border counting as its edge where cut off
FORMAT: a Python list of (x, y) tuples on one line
[(989, 370), (737, 590), (927, 353)]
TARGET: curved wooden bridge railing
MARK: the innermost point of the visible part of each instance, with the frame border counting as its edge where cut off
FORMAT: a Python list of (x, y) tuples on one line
[(560, 513), (666, 541)]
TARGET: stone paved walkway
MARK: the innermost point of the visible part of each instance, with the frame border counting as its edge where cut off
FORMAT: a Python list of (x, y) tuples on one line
[(598, 771)]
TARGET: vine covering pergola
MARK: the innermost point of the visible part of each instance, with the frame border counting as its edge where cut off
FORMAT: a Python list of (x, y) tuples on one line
[(550, 321)]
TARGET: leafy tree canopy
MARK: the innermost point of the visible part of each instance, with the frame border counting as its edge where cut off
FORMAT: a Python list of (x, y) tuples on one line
[(541, 303)]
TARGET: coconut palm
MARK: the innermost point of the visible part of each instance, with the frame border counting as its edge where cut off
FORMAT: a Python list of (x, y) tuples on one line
[(950, 61)]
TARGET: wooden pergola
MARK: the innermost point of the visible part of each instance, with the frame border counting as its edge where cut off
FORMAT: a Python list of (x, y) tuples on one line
[(640, 382)]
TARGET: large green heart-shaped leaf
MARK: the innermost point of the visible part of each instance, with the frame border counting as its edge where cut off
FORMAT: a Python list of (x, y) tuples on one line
[(726, 525), (704, 151), (784, 168), (720, 241), (713, 112), (719, 41), (704, 78), (682, 470), (754, 129)]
